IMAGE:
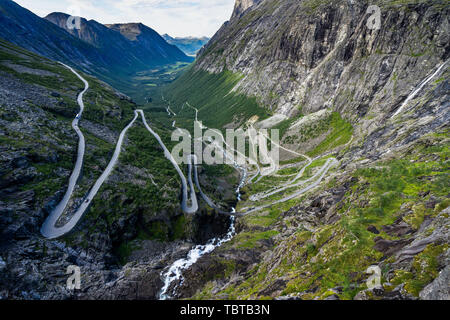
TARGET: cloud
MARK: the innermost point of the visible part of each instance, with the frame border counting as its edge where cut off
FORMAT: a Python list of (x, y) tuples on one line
[(175, 17)]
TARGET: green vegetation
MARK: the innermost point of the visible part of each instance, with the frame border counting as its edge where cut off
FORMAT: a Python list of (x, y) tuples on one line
[(218, 170), (145, 182), (396, 183), (312, 6), (284, 125), (337, 255), (144, 151), (125, 250), (212, 95), (424, 271), (292, 161), (338, 132), (250, 239), (341, 132), (145, 84), (437, 3), (264, 219)]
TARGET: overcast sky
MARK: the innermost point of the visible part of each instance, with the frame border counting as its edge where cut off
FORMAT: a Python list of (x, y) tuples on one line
[(175, 17)]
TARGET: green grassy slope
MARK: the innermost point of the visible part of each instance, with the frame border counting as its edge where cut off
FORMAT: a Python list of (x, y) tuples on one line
[(212, 95)]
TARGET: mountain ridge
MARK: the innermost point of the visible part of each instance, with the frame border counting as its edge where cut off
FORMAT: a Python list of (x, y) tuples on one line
[(147, 48), (189, 45), (95, 49)]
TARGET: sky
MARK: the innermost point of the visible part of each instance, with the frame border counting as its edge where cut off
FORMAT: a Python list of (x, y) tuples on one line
[(178, 18)]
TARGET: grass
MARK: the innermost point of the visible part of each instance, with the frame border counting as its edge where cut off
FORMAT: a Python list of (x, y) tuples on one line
[(145, 84), (125, 250), (212, 95), (265, 219), (247, 240), (425, 269), (284, 125), (349, 250), (340, 133), (337, 255)]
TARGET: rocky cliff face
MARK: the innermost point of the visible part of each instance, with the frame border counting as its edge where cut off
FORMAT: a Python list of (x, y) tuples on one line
[(242, 5), (312, 55), (131, 31)]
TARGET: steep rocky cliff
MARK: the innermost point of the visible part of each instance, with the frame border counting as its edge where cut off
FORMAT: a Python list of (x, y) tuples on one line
[(309, 55), (241, 6)]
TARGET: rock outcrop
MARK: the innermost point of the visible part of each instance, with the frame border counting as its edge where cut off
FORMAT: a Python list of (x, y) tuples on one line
[(241, 6)]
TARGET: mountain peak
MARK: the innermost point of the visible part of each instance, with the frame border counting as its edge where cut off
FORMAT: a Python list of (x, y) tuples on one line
[(93, 48), (242, 5), (129, 30), (57, 14)]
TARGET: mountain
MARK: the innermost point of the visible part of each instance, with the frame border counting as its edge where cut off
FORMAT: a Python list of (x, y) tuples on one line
[(376, 100), (278, 41), (188, 45), (95, 48), (145, 50), (38, 35), (149, 42)]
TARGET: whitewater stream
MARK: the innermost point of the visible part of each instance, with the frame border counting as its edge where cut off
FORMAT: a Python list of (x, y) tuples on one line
[(175, 271)]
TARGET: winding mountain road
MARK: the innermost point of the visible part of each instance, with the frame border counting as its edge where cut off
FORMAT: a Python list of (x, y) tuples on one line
[(290, 184), (48, 230), (193, 207), (322, 172), (189, 202)]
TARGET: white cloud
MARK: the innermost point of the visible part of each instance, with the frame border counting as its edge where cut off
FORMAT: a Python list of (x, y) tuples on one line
[(175, 17)]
